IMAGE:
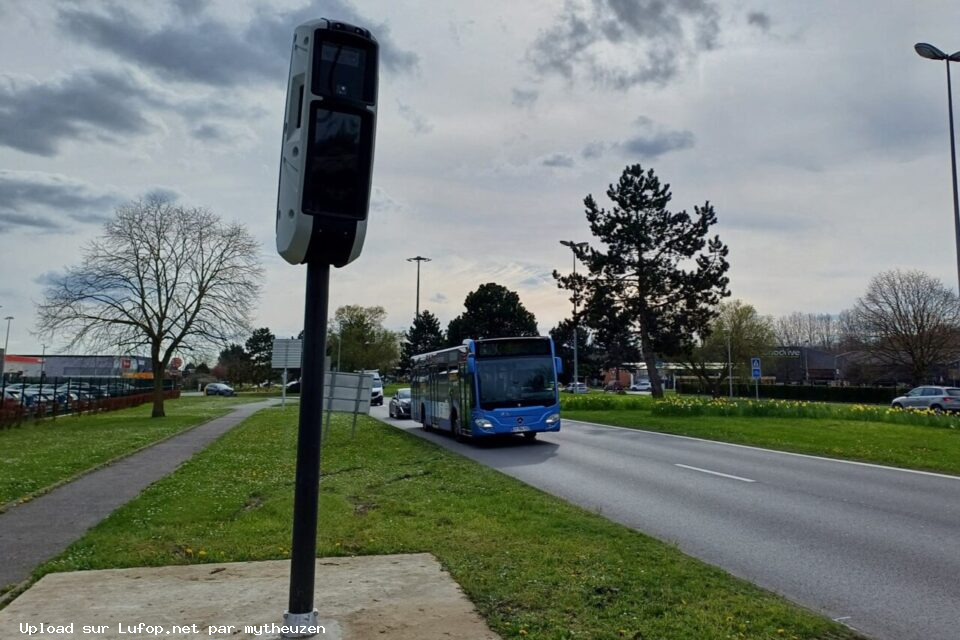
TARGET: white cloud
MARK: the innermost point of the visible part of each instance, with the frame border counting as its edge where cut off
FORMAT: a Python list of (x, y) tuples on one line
[(815, 130)]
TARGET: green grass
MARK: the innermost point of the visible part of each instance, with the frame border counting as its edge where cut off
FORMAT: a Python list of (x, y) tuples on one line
[(391, 388), (534, 565), (896, 438), (745, 407), (37, 455)]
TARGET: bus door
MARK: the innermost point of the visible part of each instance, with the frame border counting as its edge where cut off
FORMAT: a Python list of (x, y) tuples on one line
[(464, 395), (433, 394)]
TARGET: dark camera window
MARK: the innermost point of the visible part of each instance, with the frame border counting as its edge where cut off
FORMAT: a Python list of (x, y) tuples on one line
[(341, 72), (337, 178)]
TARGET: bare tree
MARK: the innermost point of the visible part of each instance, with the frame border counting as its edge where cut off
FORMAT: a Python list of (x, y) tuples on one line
[(161, 276), (909, 320), (739, 332), (816, 329)]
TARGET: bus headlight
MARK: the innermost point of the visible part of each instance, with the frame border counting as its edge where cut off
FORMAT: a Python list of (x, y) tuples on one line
[(483, 423), (552, 419)]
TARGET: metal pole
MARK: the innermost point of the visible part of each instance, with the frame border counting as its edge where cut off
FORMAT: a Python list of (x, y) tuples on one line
[(418, 260), (339, 342), (576, 324), (6, 343), (307, 488), (953, 172), (729, 366), (331, 392), (356, 403)]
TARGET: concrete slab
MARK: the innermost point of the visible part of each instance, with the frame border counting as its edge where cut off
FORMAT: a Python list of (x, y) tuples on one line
[(400, 597)]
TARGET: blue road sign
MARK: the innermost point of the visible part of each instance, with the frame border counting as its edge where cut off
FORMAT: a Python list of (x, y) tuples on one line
[(755, 366)]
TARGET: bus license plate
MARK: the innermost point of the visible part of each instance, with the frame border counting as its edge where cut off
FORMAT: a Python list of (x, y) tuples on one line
[(520, 428)]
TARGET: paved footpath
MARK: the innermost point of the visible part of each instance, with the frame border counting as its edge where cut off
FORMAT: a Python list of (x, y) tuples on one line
[(36, 531)]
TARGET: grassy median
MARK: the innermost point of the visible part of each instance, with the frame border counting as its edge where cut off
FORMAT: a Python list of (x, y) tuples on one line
[(534, 565), (39, 454), (912, 440)]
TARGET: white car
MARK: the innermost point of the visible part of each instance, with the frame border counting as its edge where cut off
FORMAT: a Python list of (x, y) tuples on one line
[(376, 395), (642, 385)]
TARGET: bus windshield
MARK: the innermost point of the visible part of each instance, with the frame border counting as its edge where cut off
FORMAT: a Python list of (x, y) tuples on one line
[(516, 382)]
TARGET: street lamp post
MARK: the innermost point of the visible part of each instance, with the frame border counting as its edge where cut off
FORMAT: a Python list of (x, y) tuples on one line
[(339, 342), (43, 361), (730, 365), (576, 320), (932, 53), (6, 342), (418, 260)]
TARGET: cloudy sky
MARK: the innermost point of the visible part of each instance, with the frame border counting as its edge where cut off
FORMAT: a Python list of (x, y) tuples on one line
[(815, 130)]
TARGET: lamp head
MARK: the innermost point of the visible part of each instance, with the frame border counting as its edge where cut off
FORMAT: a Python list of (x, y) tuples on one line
[(926, 50)]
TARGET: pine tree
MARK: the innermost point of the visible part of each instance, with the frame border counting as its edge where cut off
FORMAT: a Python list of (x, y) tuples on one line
[(657, 270), (424, 335), (562, 335), (492, 311), (260, 347)]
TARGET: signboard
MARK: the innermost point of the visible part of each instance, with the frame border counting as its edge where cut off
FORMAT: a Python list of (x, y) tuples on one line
[(349, 392), (755, 368), (287, 353)]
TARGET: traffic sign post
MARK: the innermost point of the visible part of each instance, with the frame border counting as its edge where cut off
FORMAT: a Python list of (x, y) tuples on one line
[(755, 374), (287, 354)]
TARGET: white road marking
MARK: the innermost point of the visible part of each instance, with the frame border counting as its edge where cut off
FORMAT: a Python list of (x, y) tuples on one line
[(714, 473), (783, 453)]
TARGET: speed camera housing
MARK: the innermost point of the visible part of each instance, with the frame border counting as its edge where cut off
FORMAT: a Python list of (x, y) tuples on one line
[(326, 161)]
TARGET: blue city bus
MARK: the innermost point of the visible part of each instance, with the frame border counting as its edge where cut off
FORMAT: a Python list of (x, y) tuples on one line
[(488, 387)]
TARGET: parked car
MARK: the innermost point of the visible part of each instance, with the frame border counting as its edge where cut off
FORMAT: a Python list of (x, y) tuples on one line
[(576, 387), (11, 399), (934, 398), (219, 389), (613, 386), (293, 386), (400, 403), (642, 385)]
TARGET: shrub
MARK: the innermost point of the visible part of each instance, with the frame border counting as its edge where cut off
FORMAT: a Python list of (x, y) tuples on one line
[(695, 406), (858, 395)]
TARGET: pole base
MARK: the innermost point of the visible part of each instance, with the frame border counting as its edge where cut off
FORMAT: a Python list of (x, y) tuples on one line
[(298, 625)]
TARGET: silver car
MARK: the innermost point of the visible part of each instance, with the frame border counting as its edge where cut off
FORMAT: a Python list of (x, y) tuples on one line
[(934, 398)]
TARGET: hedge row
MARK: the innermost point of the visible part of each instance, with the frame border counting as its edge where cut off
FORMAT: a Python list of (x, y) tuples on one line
[(862, 395)]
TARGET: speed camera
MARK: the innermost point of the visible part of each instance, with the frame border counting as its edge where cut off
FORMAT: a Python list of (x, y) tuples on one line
[(326, 161)]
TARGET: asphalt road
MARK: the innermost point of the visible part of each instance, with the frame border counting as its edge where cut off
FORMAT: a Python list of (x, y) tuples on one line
[(874, 547)]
